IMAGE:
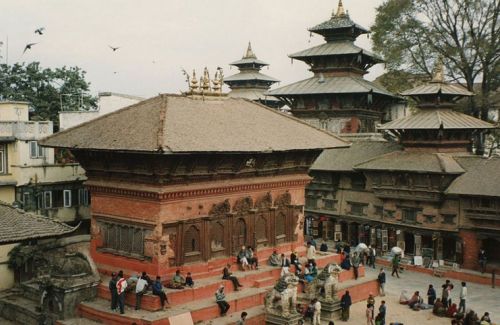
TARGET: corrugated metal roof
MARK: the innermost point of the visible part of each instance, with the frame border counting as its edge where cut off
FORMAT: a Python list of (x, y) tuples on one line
[(480, 178), (343, 159), (413, 162), (250, 76), (330, 85), (438, 88), (335, 48), (434, 118), (249, 61), (170, 124)]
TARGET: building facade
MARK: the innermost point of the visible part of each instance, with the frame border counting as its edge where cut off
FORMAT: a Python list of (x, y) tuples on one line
[(192, 180), (30, 177), (337, 98), (249, 82), (413, 194)]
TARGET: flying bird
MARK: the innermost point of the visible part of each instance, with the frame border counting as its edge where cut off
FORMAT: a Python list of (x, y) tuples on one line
[(28, 46), (113, 48), (40, 30)]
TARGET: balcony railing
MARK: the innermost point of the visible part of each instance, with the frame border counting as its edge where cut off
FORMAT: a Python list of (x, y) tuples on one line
[(26, 129)]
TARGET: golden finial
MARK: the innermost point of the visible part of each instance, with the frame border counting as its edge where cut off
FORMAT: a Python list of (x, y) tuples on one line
[(194, 82), (205, 81), (340, 10), (249, 53), (438, 73)]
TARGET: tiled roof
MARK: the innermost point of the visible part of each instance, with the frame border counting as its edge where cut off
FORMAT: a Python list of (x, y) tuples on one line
[(330, 85), (17, 225), (343, 159), (435, 119), (413, 162), (335, 48), (170, 124), (434, 88), (480, 177), (249, 76)]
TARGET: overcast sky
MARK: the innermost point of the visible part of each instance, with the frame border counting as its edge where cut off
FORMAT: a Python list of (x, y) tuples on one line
[(159, 37)]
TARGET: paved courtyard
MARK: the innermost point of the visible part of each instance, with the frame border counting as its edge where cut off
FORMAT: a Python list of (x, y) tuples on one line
[(481, 298)]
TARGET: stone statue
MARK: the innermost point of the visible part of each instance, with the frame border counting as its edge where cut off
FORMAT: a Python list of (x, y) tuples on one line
[(325, 283), (282, 299)]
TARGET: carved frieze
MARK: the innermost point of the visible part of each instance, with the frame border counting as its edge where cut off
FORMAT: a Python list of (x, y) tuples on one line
[(221, 209), (264, 202), (243, 205), (283, 200)]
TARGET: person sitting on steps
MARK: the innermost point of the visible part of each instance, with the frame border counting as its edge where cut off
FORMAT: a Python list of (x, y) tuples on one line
[(177, 281), (227, 275), (274, 259), (242, 258), (220, 299)]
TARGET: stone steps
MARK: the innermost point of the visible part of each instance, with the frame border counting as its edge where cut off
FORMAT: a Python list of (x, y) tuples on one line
[(21, 310), (256, 316), (205, 287), (201, 310)]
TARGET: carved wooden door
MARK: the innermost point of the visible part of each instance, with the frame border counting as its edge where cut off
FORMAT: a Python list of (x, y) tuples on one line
[(239, 235), (418, 245)]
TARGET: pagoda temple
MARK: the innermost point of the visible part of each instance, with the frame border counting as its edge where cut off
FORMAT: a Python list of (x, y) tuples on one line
[(337, 98), (250, 83), (192, 180), (427, 194)]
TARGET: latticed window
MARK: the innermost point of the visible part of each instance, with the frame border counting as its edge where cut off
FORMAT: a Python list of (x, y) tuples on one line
[(125, 239), (410, 215)]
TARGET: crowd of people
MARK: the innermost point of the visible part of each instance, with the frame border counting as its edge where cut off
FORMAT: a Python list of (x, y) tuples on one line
[(140, 284)]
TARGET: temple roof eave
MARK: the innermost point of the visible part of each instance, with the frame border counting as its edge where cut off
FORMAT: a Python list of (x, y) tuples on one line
[(429, 119), (246, 61), (335, 48), (331, 85), (242, 76)]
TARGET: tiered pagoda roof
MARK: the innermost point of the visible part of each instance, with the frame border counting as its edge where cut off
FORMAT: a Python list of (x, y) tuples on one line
[(436, 125), (250, 83), (338, 90)]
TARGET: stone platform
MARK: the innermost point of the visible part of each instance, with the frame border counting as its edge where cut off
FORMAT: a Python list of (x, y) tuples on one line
[(200, 302)]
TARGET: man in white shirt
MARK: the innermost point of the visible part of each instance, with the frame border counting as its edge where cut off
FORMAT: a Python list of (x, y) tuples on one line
[(140, 289), (121, 285), (310, 253), (317, 312), (463, 298)]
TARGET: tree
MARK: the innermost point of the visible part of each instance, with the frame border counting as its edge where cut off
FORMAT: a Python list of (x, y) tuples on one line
[(48, 90), (412, 34)]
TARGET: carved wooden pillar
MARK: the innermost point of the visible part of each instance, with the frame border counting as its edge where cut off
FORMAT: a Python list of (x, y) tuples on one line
[(205, 245), (179, 254), (272, 226)]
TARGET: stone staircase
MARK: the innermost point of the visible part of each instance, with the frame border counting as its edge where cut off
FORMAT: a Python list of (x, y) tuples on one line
[(200, 303)]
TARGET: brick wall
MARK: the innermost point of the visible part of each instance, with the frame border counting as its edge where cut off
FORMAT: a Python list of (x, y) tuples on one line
[(470, 249)]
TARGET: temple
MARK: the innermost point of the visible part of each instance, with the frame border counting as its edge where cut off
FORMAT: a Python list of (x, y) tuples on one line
[(412, 194), (191, 181), (337, 98), (250, 83)]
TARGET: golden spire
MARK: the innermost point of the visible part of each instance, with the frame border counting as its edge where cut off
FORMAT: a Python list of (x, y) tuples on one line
[(340, 10), (438, 73), (249, 53)]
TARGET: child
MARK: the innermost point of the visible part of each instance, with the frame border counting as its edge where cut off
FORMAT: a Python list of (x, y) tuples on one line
[(189, 280)]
